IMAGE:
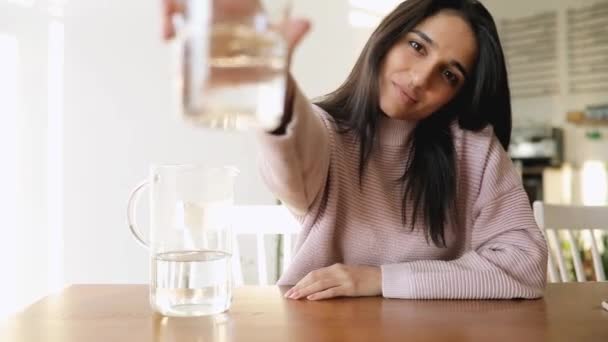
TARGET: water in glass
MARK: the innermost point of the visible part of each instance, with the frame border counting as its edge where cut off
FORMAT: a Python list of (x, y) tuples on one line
[(191, 283), (245, 81)]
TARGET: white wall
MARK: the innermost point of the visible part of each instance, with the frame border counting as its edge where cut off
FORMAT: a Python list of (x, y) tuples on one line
[(120, 117)]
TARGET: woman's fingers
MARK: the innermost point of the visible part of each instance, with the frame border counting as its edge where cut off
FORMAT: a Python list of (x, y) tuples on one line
[(329, 293), (316, 287), (170, 8), (307, 280), (294, 31)]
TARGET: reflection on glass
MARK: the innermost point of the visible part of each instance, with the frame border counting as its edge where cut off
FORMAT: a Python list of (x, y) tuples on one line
[(190, 329)]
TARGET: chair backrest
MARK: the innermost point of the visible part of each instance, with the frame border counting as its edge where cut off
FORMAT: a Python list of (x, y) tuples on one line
[(563, 220), (259, 221)]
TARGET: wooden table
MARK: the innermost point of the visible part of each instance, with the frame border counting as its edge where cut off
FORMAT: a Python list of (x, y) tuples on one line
[(112, 313)]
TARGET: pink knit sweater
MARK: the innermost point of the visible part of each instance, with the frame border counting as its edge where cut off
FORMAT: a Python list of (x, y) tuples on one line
[(499, 252)]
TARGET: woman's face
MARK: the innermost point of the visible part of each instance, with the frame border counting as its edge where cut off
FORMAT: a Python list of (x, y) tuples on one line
[(425, 69)]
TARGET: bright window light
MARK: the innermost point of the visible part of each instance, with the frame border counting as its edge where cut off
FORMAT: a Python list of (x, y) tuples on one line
[(9, 100), (594, 183), (55, 155)]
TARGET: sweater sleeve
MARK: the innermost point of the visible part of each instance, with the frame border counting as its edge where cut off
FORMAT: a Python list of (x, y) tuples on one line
[(508, 254), (294, 165)]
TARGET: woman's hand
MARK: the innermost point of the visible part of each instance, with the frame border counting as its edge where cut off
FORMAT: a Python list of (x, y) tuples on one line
[(293, 30), (338, 280)]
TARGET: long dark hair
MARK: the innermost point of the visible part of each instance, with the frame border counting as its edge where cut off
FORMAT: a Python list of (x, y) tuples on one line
[(430, 169)]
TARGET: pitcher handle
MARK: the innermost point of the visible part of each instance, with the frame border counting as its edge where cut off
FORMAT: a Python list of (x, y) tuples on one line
[(131, 207)]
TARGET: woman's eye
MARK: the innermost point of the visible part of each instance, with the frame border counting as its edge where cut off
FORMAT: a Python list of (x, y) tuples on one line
[(416, 46), (450, 77)]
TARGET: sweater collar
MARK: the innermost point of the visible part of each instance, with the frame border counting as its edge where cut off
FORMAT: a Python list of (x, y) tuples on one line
[(394, 132)]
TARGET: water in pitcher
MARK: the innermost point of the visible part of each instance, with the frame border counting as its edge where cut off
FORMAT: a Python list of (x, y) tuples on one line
[(191, 283), (245, 84)]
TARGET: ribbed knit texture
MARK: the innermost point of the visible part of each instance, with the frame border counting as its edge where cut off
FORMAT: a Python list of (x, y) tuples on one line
[(496, 250)]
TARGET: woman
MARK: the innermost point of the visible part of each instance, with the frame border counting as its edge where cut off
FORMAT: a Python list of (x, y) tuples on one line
[(400, 177)]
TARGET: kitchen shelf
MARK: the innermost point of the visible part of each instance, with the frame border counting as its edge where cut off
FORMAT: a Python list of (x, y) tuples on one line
[(581, 119), (588, 122)]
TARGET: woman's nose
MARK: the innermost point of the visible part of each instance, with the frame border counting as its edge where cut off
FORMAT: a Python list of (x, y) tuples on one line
[(420, 77)]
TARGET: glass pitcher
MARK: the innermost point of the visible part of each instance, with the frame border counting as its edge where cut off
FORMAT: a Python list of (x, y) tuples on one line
[(190, 240), (232, 62)]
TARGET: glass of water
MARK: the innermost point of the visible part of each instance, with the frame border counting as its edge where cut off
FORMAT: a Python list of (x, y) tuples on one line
[(233, 62), (190, 240)]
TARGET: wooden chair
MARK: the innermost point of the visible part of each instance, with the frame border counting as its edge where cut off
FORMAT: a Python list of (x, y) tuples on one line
[(259, 221), (569, 219)]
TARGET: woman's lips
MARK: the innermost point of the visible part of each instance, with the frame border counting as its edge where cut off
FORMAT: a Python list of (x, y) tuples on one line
[(406, 96)]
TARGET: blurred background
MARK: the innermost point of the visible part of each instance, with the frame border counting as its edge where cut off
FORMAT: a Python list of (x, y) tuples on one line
[(87, 103)]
